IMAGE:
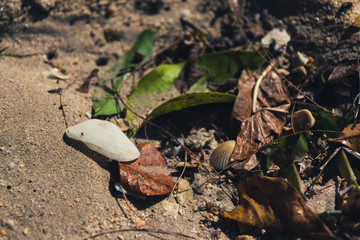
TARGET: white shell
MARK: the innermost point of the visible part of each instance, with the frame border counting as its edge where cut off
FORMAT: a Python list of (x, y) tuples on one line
[(105, 138), (220, 157)]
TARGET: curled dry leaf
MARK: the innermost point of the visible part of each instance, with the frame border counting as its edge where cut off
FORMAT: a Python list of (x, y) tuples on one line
[(145, 176), (258, 129), (350, 137), (274, 205)]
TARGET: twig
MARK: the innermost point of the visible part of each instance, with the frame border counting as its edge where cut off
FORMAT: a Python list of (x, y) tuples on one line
[(62, 104), (140, 230), (182, 173), (273, 109), (326, 163), (258, 83)]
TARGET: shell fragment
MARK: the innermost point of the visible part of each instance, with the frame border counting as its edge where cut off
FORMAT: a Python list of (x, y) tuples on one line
[(105, 138)]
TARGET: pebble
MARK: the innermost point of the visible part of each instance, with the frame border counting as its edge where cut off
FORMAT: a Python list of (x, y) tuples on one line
[(171, 209), (11, 165), (45, 5), (280, 37), (181, 212), (10, 223), (26, 231), (3, 232)]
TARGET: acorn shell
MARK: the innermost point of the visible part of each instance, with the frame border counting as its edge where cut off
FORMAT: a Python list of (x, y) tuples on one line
[(303, 120), (105, 138), (220, 157)]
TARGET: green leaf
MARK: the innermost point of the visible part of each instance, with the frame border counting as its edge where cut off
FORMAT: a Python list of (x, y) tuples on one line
[(103, 102), (143, 46), (151, 87), (300, 149), (293, 177), (345, 169), (328, 122), (220, 66), (190, 100), (105, 107)]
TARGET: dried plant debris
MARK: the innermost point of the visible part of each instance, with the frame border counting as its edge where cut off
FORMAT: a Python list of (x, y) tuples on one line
[(350, 137), (273, 205), (262, 127), (145, 176)]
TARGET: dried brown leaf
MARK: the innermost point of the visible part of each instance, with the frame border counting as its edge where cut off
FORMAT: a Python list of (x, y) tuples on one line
[(145, 176), (343, 81), (350, 137), (266, 124), (275, 205)]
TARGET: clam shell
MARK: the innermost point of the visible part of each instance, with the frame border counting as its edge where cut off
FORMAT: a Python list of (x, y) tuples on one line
[(303, 120), (220, 157), (105, 138)]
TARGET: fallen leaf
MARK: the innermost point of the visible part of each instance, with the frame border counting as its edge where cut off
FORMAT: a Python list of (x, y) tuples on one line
[(263, 126), (343, 83), (188, 75), (351, 210), (145, 176), (350, 137), (153, 87), (272, 204), (190, 100)]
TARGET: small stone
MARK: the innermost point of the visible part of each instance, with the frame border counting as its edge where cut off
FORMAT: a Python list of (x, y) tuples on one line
[(11, 165), (3, 232), (139, 222), (45, 5), (181, 212), (171, 208), (26, 231), (186, 13), (277, 36), (10, 223)]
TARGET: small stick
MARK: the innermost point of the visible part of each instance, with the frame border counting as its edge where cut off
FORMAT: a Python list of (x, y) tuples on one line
[(140, 230), (150, 122), (258, 82), (326, 163), (182, 173)]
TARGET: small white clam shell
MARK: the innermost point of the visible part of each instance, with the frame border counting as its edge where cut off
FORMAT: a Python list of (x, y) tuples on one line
[(105, 138), (220, 157)]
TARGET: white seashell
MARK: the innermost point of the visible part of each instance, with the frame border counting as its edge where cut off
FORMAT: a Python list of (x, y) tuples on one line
[(220, 157), (105, 138), (303, 120)]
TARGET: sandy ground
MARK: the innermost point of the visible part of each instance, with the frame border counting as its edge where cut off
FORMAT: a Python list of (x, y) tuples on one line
[(49, 189)]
